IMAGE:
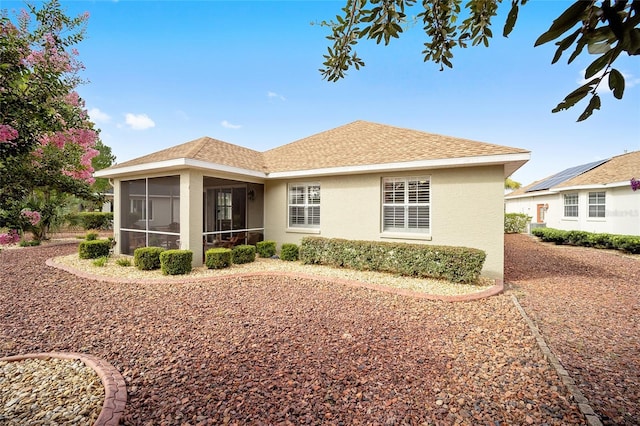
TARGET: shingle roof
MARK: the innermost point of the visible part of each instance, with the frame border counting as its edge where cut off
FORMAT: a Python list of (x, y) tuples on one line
[(359, 143), (618, 169), (364, 143)]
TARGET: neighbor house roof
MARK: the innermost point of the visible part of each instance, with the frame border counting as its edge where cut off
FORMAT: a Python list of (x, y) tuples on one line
[(353, 148), (616, 170)]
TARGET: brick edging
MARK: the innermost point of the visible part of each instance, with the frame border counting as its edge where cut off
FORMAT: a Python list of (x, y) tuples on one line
[(115, 390), (583, 403), (496, 289)]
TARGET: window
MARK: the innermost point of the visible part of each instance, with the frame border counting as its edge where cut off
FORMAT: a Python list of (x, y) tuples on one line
[(304, 205), (406, 204), (571, 205), (596, 204), (139, 209)]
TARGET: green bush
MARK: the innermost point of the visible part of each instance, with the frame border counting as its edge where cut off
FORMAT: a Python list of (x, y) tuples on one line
[(217, 258), (516, 223), (551, 235), (91, 236), (94, 249), (266, 248), (123, 261), (577, 238), (289, 252), (90, 220), (601, 241), (147, 258), (626, 243), (176, 262), (101, 261), (30, 243), (243, 254), (456, 264)]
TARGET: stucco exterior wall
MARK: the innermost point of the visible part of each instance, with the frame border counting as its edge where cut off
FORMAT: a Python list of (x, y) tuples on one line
[(466, 210)]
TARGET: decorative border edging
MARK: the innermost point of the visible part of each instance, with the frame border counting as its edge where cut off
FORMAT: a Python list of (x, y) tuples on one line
[(491, 291), (115, 389), (583, 403)]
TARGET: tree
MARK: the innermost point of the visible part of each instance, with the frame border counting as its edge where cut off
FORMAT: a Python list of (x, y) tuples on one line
[(47, 142), (605, 29), (511, 184), (104, 159)]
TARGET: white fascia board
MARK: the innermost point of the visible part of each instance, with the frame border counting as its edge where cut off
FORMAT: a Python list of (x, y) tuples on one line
[(178, 163), (484, 160), (530, 195), (595, 186)]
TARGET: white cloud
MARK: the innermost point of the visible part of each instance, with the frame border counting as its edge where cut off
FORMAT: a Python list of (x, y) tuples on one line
[(274, 95), (228, 125), (139, 121), (629, 81), (98, 116)]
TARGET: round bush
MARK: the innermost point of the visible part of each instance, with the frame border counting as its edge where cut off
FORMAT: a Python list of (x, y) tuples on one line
[(94, 249), (289, 252), (217, 258), (176, 262), (147, 258)]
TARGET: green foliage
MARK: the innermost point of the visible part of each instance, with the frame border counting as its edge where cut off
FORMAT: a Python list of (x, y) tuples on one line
[(176, 262), (147, 258), (266, 248), (511, 184), (456, 264), (606, 30), (90, 220), (625, 243), (101, 261), (123, 261), (516, 223), (217, 258), (94, 249), (32, 243), (243, 254), (90, 236), (289, 252)]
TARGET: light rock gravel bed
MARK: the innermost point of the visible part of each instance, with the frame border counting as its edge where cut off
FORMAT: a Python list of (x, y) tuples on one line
[(49, 392), (430, 286), (285, 350)]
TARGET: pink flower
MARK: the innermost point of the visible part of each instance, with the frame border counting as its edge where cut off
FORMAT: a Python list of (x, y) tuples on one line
[(33, 216), (10, 237), (635, 184), (7, 133)]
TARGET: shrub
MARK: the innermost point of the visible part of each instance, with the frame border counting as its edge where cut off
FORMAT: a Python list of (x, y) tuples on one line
[(550, 235), (176, 262), (31, 243), (94, 249), (601, 241), (123, 261), (627, 243), (147, 258), (577, 238), (101, 261), (217, 258), (266, 248), (91, 236), (91, 220), (456, 264), (516, 223), (243, 254), (289, 252)]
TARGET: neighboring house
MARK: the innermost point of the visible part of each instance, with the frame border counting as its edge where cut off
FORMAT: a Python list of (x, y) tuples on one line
[(360, 181), (593, 197)]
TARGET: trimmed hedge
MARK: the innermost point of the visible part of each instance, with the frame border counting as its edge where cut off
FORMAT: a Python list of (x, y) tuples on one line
[(266, 248), (91, 220), (217, 258), (625, 243), (147, 258), (289, 252), (176, 262), (516, 223), (243, 254), (456, 264), (93, 249)]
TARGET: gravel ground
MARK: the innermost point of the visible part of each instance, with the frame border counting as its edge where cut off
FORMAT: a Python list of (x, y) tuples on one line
[(285, 351), (586, 304)]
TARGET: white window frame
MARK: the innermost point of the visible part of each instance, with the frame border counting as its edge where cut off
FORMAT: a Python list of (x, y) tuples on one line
[(402, 202), (571, 206), (599, 205), (307, 202)]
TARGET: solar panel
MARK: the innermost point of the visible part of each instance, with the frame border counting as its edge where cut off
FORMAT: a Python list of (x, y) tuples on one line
[(565, 175)]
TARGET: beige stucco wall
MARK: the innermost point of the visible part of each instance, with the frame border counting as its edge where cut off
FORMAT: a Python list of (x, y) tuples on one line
[(466, 210)]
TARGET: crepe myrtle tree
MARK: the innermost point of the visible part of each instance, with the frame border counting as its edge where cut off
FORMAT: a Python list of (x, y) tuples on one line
[(47, 141), (607, 29)]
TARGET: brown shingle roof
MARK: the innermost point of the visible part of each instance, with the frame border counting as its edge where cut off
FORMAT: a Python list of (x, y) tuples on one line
[(364, 143), (359, 143), (618, 169)]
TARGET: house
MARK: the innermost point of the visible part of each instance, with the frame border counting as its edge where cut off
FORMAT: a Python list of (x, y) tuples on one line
[(593, 197), (360, 181)]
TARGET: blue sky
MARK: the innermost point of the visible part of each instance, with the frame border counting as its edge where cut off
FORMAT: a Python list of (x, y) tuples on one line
[(246, 72)]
